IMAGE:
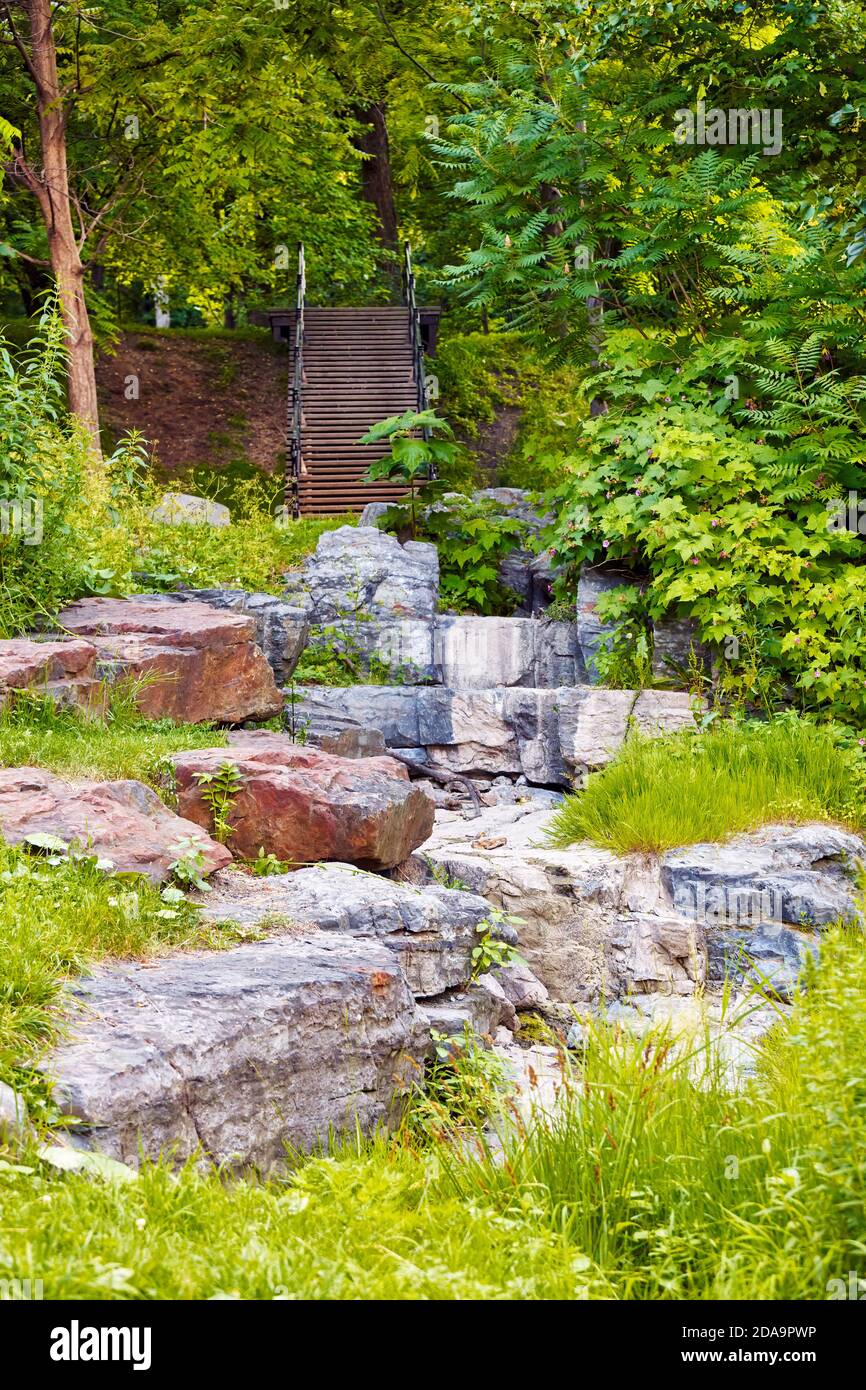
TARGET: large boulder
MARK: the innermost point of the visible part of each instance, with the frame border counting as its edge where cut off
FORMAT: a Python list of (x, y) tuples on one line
[(432, 930), (600, 925), (124, 822), (364, 572), (477, 653), (463, 653), (64, 669), (306, 805), (242, 1055), (199, 663), (282, 628)]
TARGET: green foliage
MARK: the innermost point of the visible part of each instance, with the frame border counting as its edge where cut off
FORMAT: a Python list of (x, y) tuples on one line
[(655, 1178), (94, 532), (484, 376), (219, 791), (477, 373), (190, 865), (624, 659), (491, 949), (267, 865), (472, 538), (709, 301), (415, 454), (41, 470), (464, 1086), (732, 776)]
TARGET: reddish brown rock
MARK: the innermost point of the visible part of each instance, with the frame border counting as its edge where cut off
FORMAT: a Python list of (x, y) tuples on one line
[(304, 805), (202, 663), (62, 668), (122, 821)]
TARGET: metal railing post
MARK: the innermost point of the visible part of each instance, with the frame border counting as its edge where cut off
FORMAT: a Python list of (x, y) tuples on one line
[(416, 340), (293, 460)]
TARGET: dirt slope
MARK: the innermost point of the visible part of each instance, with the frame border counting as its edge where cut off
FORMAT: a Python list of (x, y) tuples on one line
[(203, 401)]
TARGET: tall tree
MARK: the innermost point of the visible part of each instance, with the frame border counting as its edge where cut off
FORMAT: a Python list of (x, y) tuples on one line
[(49, 184)]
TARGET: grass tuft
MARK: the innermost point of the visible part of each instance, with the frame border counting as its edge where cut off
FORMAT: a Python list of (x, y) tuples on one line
[(35, 733), (658, 794)]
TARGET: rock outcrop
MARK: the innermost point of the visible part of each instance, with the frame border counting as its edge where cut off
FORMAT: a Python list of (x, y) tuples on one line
[(123, 822), (431, 931), (240, 1055), (550, 736), (602, 926), (306, 805), (200, 664), (282, 628), (62, 669), (187, 509), (361, 571)]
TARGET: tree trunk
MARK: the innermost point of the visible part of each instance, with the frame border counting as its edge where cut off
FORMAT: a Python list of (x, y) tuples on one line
[(52, 192), (376, 170)]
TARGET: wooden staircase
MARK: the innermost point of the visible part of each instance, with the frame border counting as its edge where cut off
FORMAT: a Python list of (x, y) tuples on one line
[(358, 369), (351, 369)]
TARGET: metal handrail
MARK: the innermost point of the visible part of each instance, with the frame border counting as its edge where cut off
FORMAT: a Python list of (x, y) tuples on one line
[(293, 461), (415, 336)]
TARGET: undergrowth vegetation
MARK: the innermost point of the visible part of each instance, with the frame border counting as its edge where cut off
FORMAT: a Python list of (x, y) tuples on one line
[(733, 775), (67, 530), (643, 1185)]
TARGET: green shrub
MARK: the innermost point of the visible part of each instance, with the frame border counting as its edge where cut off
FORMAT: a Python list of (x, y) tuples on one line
[(472, 538), (97, 535), (734, 776), (42, 466)]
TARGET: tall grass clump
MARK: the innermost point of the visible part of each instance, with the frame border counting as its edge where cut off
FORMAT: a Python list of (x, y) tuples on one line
[(731, 777), (668, 1181), (43, 465)]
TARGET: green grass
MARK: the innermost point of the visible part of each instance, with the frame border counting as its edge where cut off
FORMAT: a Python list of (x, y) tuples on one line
[(661, 793), (646, 1186), (55, 921), (254, 552), (33, 733)]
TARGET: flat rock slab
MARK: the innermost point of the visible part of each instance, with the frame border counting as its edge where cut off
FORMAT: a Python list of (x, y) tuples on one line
[(201, 664), (64, 669), (431, 929), (124, 822), (305, 805), (239, 1054), (600, 925)]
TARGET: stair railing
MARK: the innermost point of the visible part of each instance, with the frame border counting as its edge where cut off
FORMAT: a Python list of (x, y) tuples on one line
[(294, 461), (415, 336)]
